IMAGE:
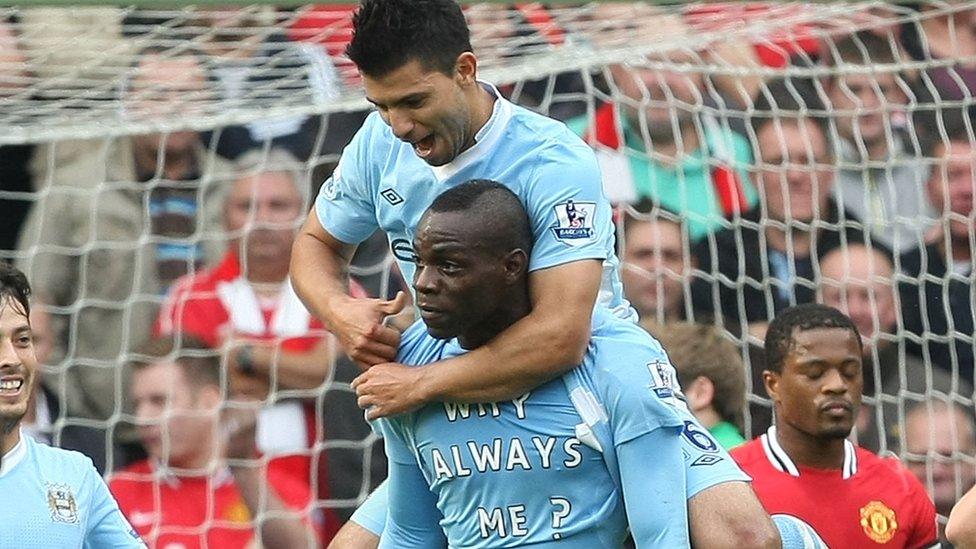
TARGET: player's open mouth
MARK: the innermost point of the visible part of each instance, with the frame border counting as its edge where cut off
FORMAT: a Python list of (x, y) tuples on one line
[(11, 386), (424, 147)]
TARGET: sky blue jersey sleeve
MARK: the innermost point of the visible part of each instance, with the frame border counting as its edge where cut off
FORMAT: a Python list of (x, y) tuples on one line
[(344, 206), (371, 515), (707, 463), (413, 520), (107, 526), (653, 493), (571, 217)]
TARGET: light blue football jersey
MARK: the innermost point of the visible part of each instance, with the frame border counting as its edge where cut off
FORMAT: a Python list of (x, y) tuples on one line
[(381, 183), (51, 497), (528, 471)]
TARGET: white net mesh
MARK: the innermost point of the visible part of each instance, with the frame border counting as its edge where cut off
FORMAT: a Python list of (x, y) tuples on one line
[(120, 125)]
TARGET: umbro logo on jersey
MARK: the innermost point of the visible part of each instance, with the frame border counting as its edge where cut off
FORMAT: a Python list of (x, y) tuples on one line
[(391, 196)]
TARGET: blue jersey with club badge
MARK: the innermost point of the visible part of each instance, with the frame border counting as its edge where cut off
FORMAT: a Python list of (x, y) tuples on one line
[(51, 497), (381, 183)]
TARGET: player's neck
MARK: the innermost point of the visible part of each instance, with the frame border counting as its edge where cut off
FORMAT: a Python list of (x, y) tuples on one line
[(810, 451), (483, 105), (9, 437), (518, 307)]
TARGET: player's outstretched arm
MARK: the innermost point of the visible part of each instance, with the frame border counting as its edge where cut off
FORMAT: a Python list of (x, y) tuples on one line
[(318, 261), (654, 493), (548, 342), (961, 528), (729, 515), (354, 536)]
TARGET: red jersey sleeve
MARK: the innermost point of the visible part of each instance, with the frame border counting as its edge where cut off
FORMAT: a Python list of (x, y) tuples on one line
[(925, 532)]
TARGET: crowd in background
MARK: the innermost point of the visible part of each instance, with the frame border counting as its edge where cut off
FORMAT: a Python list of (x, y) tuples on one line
[(853, 186)]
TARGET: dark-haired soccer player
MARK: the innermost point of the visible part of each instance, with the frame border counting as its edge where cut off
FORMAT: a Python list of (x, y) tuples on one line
[(804, 465), (48, 497)]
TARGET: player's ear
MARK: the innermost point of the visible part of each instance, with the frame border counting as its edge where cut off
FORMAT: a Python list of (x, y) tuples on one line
[(466, 68), (700, 393), (516, 265), (771, 381)]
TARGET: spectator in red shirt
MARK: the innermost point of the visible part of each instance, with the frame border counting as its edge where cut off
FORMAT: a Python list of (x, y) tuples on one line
[(804, 465), (246, 307), (202, 485)]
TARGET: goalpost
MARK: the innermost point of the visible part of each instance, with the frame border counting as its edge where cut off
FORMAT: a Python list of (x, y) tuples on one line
[(277, 71)]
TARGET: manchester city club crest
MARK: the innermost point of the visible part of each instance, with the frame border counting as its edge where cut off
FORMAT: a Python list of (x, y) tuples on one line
[(61, 501), (878, 521), (574, 222)]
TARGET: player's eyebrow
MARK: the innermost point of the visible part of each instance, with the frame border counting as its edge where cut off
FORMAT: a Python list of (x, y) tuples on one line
[(412, 97)]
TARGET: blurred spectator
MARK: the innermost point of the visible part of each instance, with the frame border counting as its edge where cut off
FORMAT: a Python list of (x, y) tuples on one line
[(881, 175), (657, 143), (203, 484), (655, 262), (937, 289), (859, 281), (767, 261), (245, 306), (711, 374), (256, 66), (120, 221), (940, 444), (15, 176), (804, 465), (944, 39)]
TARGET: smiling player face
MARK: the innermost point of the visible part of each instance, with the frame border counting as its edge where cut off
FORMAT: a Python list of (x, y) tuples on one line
[(18, 364), (426, 108)]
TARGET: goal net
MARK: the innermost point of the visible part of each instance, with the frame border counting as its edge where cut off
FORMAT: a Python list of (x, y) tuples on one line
[(125, 131)]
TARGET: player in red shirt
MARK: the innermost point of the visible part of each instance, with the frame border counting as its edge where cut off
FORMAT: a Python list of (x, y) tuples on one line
[(203, 485), (805, 466)]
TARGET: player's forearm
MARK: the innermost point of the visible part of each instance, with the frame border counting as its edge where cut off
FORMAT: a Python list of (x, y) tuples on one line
[(283, 528), (961, 528), (296, 370), (317, 275), (529, 353)]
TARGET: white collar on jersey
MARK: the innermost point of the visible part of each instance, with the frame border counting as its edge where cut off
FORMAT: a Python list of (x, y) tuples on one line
[(484, 140), (781, 461), (14, 456)]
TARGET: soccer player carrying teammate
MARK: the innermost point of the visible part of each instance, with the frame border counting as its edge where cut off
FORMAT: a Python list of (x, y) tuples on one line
[(48, 497), (437, 126), (530, 471), (804, 465)]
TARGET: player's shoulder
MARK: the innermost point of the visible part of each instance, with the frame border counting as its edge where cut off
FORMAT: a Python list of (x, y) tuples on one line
[(887, 471), (619, 346), (548, 137), (417, 346), (68, 463), (749, 454)]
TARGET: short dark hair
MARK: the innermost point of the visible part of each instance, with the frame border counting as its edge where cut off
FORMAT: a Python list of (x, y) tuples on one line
[(14, 285), (388, 34), (809, 316), (483, 197), (200, 363), (649, 210), (791, 99)]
